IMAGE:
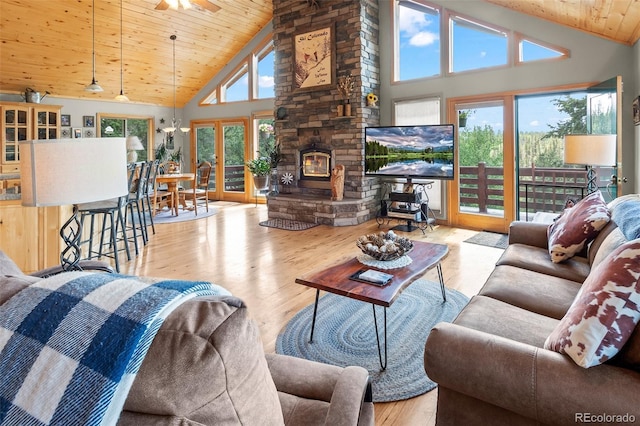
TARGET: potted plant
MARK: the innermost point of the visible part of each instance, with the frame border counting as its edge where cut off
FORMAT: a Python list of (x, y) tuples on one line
[(161, 152), (463, 114), (260, 168), (275, 156)]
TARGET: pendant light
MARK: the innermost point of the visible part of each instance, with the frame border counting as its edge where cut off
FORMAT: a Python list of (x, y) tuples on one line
[(121, 97), (175, 124), (94, 86)]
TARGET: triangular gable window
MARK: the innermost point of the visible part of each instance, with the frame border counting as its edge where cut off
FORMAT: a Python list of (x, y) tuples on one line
[(211, 99), (530, 50)]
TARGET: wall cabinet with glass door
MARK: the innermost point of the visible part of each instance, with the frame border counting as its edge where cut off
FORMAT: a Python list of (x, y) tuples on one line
[(21, 122), (29, 235)]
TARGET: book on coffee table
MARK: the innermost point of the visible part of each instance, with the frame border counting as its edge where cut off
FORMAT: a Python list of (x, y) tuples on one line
[(372, 276)]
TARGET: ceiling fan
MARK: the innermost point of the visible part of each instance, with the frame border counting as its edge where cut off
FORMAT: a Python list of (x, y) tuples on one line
[(187, 4)]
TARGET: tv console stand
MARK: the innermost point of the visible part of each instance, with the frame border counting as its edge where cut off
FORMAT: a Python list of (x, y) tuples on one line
[(409, 205)]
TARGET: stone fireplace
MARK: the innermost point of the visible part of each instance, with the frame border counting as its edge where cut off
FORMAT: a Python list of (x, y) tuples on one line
[(313, 137)]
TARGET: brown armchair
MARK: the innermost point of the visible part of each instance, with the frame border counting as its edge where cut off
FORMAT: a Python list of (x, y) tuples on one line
[(206, 366)]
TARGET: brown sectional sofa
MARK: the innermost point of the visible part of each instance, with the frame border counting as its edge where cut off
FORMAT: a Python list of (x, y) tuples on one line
[(490, 363), (206, 366)]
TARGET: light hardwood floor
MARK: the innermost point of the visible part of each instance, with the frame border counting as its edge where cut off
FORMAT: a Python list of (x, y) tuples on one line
[(260, 264)]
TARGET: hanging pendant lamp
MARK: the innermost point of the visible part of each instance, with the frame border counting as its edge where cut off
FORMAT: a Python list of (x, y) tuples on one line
[(94, 86), (121, 97), (175, 124)]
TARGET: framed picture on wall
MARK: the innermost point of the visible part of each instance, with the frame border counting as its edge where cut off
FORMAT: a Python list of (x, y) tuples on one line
[(636, 111), (65, 120), (77, 133), (87, 121), (314, 59)]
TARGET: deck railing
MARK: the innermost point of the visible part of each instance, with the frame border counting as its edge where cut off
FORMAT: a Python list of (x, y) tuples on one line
[(539, 188), (234, 178)]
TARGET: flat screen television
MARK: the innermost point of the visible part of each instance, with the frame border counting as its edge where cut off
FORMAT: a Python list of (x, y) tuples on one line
[(411, 152)]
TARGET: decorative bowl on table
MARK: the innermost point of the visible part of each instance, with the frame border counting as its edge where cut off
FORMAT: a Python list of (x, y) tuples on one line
[(384, 245)]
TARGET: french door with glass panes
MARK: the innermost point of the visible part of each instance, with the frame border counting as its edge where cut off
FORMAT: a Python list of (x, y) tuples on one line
[(224, 144)]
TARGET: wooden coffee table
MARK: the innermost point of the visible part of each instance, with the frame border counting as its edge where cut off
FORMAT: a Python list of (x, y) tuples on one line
[(335, 279)]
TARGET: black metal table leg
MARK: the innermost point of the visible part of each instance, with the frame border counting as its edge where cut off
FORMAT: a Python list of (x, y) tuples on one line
[(315, 311), (383, 365), (439, 268)]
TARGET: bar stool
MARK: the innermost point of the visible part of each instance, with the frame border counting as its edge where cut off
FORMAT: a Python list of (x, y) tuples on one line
[(149, 190), (110, 211), (138, 174)]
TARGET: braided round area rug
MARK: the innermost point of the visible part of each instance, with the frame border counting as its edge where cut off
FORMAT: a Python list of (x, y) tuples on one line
[(345, 335)]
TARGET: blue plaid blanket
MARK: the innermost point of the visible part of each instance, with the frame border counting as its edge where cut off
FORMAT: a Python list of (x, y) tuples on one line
[(71, 344)]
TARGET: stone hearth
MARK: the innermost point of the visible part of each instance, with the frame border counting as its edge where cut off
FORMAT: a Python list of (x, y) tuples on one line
[(309, 208)]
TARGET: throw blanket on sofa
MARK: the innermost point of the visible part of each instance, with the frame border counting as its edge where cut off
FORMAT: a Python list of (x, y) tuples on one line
[(71, 344)]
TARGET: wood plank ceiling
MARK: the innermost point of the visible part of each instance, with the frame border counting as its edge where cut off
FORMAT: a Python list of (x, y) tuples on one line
[(617, 20), (47, 45)]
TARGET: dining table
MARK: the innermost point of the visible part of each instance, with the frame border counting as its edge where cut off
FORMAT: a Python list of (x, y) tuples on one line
[(172, 180)]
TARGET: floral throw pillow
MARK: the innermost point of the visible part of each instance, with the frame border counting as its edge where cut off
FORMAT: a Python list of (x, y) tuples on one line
[(605, 312), (577, 226)]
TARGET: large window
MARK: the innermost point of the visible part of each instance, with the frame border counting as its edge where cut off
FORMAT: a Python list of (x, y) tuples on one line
[(432, 41), (265, 81), (123, 126), (236, 88), (252, 79), (474, 45), (417, 41)]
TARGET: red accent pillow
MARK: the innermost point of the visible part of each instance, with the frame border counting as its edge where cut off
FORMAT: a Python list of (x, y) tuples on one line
[(605, 312), (577, 226)]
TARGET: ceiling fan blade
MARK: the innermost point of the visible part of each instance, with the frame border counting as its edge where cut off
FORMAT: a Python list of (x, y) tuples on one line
[(163, 5), (206, 5)]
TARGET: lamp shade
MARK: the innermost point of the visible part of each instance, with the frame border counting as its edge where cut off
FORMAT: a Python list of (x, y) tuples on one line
[(591, 150), (72, 171)]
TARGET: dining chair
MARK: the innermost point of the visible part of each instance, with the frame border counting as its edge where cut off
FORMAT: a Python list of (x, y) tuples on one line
[(200, 189)]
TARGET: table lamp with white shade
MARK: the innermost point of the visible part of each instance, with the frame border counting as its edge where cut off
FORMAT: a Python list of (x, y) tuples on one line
[(590, 150), (71, 172), (133, 145)]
